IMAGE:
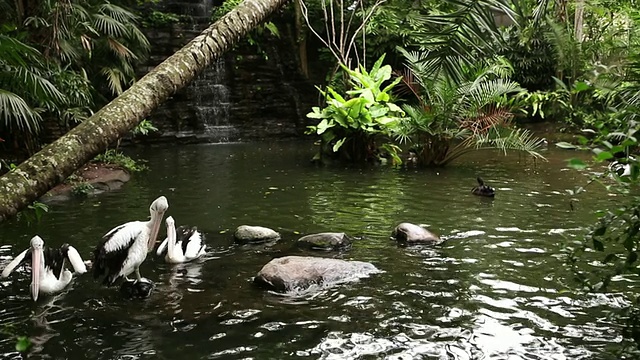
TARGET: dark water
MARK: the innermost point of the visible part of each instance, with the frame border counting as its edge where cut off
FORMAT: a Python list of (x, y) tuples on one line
[(495, 290)]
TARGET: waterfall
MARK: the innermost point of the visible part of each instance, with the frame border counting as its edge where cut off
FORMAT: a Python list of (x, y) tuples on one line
[(211, 103)]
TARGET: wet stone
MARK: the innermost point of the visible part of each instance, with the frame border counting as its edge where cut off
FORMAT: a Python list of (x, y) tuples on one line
[(410, 234), (325, 241), (255, 234), (295, 273)]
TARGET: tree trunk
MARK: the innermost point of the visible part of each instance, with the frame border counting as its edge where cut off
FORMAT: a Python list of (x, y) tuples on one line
[(301, 39), (54, 163), (578, 20)]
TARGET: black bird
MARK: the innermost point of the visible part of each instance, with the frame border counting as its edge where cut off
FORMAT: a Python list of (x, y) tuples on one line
[(482, 189)]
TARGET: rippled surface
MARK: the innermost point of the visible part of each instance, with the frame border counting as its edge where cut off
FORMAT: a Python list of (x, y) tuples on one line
[(493, 290)]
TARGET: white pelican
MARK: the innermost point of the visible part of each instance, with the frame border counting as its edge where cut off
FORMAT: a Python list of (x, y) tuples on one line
[(48, 273), (124, 248), (620, 169), (190, 245)]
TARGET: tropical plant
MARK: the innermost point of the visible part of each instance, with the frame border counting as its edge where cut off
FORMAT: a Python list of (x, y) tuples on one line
[(23, 102), (459, 36), (350, 126), (117, 158), (611, 247), (453, 116), (67, 54), (95, 36), (82, 189)]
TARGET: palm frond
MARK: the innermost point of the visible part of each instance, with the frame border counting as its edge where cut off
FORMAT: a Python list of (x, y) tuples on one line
[(109, 26), (40, 87), (463, 36), (118, 13), (490, 117), (504, 139), (17, 115), (119, 49), (115, 79), (13, 52), (481, 94)]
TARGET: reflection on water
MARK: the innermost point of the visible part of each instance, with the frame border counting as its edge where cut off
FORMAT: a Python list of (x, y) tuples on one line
[(494, 290)]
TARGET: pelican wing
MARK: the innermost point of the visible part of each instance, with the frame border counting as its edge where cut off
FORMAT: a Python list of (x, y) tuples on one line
[(75, 259), (163, 247), (112, 251), (18, 260), (192, 242), (54, 259)]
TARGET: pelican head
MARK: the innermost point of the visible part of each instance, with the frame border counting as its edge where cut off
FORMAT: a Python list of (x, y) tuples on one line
[(37, 246), (157, 209), (171, 232)]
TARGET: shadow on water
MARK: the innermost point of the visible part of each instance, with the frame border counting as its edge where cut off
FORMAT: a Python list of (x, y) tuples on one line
[(492, 290)]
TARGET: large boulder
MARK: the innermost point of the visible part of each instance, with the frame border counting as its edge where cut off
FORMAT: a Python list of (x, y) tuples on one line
[(300, 272), (325, 241), (255, 234), (410, 234)]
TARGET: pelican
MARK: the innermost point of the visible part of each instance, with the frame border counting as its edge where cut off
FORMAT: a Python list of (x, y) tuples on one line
[(48, 273), (124, 248), (619, 168), (189, 247)]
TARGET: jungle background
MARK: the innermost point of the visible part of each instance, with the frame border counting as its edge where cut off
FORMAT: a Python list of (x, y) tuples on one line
[(405, 83)]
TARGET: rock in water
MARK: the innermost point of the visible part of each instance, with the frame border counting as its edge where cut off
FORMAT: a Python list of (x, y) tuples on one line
[(136, 288), (300, 272), (325, 241), (407, 233), (255, 234)]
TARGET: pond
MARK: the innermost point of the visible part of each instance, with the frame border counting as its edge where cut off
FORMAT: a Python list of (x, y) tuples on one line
[(496, 289)]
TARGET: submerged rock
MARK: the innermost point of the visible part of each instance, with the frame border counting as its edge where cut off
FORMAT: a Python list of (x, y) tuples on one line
[(407, 233), (325, 241), (300, 272), (255, 234), (136, 288)]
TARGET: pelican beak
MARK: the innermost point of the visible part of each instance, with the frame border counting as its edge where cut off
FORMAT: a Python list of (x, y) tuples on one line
[(155, 228), (36, 259)]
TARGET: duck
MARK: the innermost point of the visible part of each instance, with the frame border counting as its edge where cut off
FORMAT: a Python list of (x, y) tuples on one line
[(482, 189)]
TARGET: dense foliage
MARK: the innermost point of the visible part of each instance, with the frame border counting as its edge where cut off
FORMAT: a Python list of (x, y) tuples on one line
[(455, 80), (71, 56)]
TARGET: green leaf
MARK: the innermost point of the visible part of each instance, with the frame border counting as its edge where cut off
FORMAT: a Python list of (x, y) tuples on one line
[(316, 113), (377, 111), (395, 108), (355, 106), (581, 86), (22, 343), (582, 140), (383, 97), (335, 95), (273, 29), (368, 95), (577, 164), (323, 126), (338, 144), (604, 155)]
